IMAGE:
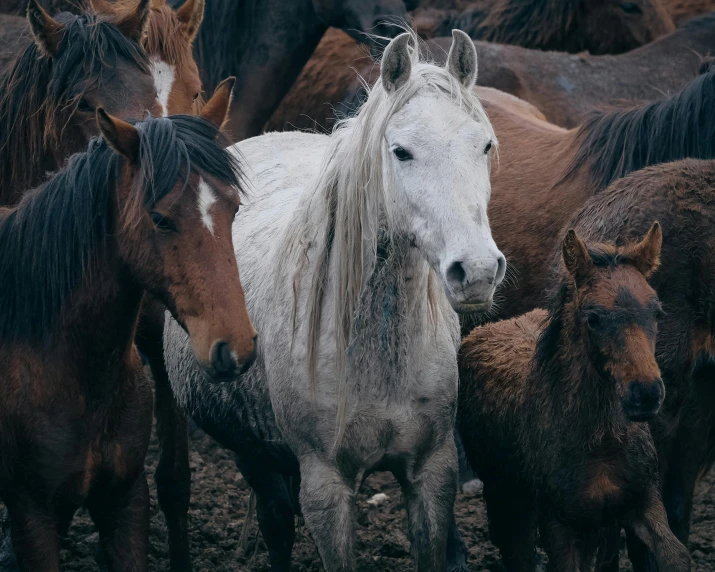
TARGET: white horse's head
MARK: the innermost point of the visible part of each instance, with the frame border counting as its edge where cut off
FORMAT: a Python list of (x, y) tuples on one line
[(437, 148)]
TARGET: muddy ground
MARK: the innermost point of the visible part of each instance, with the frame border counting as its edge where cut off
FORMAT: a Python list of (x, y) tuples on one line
[(219, 502)]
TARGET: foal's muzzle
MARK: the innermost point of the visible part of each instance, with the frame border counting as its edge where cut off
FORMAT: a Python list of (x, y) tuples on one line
[(643, 399)]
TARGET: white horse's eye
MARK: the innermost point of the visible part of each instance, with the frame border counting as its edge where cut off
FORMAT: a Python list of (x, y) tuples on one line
[(488, 148), (401, 154)]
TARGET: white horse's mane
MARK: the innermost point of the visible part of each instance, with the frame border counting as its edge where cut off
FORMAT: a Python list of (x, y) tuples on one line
[(350, 203)]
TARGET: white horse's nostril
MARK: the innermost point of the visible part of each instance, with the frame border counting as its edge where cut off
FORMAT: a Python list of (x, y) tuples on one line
[(501, 269), (456, 273)]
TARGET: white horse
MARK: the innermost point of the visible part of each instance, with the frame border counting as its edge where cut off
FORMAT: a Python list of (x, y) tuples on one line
[(355, 251)]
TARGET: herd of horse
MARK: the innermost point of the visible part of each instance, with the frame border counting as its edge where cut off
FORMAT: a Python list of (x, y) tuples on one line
[(508, 233)]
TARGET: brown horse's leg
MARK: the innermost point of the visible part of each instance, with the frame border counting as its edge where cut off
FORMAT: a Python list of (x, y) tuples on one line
[(651, 527), (560, 543), (275, 509), (608, 552), (172, 476), (512, 524), (122, 518), (34, 533)]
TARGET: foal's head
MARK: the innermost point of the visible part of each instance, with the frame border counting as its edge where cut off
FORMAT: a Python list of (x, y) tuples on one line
[(617, 312), (175, 233)]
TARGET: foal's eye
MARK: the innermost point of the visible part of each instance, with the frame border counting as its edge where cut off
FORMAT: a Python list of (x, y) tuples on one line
[(631, 8), (401, 154), (162, 223), (593, 320), (196, 96), (84, 106), (488, 148)]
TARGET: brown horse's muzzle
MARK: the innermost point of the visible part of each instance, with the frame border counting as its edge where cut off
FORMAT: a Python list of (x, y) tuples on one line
[(643, 399)]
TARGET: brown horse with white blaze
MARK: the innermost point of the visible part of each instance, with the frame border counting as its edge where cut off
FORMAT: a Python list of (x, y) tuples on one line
[(147, 208), (549, 412)]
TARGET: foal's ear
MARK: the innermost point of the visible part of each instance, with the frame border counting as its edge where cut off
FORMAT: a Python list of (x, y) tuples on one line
[(576, 257), (396, 64), (119, 135), (645, 255), (217, 108), (133, 23), (462, 59), (191, 14), (46, 31)]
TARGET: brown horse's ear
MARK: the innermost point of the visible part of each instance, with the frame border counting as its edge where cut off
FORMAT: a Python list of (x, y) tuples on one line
[(576, 258), (462, 59), (396, 64), (191, 14), (216, 109), (645, 255), (133, 23), (46, 31), (120, 135)]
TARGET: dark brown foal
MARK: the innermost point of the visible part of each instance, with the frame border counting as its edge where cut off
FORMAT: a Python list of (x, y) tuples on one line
[(552, 408)]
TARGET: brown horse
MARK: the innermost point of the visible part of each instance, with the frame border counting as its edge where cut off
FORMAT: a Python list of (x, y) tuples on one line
[(167, 39), (599, 27), (265, 45), (128, 215), (564, 87), (550, 412), (49, 95), (682, 196), (683, 10)]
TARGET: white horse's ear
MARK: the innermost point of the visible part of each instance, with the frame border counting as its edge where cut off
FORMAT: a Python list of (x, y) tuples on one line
[(462, 60), (396, 64)]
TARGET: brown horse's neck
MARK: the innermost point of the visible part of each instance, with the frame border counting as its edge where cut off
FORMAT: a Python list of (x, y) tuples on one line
[(697, 36), (280, 41)]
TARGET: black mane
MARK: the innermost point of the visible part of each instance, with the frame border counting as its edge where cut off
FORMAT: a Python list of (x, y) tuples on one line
[(223, 37), (38, 91), (613, 144), (52, 240)]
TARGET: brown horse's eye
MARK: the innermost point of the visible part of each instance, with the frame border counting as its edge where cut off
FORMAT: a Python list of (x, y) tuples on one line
[(631, 8), (196, 96), (84, 106), (162, 223)]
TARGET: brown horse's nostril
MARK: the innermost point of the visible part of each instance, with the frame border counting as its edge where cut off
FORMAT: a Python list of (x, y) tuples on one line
[(644, 399), (222, 360)]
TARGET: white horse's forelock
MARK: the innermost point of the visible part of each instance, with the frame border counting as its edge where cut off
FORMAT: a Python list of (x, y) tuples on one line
[(341, 217)]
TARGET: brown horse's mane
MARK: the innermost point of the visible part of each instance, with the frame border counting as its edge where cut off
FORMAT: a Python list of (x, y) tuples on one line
[(512, 22), (223, 37), (615, 143), (37, 91), (58, 232)]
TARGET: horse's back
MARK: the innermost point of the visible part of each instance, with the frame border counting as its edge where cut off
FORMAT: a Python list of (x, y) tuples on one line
[(495, 359)]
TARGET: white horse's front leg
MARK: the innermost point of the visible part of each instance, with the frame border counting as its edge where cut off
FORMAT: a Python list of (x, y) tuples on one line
[(429, 496), (328, 506)]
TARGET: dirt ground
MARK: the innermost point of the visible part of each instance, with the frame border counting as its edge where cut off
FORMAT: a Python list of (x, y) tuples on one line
[(220, 499)]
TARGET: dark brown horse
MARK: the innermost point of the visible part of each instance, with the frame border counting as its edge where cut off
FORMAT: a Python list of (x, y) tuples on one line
[(681, 195), (598, 27), (551, 406), (266, 44), (49, 95), (167, 40), (564, 87), (130, 214)]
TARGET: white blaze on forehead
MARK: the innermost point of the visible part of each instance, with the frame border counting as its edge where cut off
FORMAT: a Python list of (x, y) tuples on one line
[(206, 200), (163, 75)]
